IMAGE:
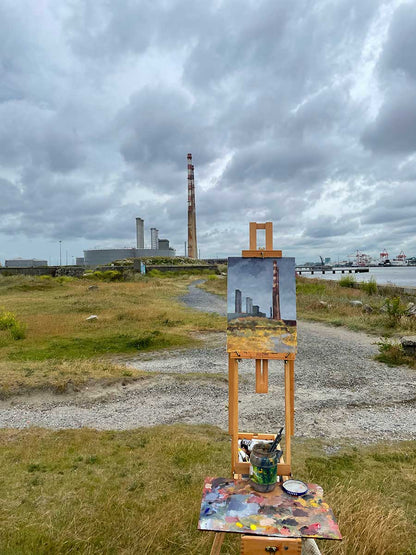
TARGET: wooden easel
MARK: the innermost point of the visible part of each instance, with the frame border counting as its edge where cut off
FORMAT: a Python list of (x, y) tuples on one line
[(256, 545)]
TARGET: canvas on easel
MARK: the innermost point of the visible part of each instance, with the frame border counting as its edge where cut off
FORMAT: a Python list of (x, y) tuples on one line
[(261, 305)]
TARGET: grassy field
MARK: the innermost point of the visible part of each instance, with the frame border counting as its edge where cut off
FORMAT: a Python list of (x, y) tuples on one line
[(84, 491), (59, 344)]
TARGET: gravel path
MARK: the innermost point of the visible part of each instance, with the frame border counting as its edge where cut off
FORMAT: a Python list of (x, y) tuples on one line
[(340, 391), (199, 299)]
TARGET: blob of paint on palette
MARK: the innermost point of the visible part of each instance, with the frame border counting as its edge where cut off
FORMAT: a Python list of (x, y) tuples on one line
[(295, 487)]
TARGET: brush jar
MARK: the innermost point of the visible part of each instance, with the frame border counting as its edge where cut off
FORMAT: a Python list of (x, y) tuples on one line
[(263, 467)]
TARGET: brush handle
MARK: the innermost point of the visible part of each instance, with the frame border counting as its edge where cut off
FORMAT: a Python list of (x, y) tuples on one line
[(276, 440)]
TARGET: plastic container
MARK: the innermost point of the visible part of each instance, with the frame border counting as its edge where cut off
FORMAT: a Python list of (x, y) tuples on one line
[(263, 471)]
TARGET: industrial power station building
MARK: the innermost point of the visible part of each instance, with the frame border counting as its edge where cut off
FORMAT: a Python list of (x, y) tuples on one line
[(159, 247)]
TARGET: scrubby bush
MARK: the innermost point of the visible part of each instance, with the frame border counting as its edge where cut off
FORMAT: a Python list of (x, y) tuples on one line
[(370, 287), (395, 310), (391, 352), (8, 321), (107, 275), (347, 281), (64, 279)]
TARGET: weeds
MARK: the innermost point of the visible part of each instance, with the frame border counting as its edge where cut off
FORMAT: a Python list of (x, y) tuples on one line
[(107, 275), (391, 352), (347, 281), (8, 321), (395, 310), (327, 301), (370, 287)]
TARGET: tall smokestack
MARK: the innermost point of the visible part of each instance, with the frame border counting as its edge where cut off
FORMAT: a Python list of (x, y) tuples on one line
[(140, 233), (192, 244), (154, 238), (276, 299)]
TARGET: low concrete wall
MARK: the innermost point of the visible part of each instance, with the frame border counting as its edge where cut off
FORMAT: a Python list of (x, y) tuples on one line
[(408, 290), (41, 271), (186, 268), (54, 271)]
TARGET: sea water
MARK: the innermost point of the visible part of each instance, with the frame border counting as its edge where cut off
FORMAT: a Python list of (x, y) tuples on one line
[(402, 276)]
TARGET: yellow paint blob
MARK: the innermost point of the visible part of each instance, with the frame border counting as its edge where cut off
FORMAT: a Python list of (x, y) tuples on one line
[(239, 524), (253, 527)]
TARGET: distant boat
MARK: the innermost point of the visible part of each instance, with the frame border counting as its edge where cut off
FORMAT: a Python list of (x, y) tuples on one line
[(400, 260), (361, 259)]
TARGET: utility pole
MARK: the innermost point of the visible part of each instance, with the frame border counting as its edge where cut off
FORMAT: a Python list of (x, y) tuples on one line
[(60, 253)]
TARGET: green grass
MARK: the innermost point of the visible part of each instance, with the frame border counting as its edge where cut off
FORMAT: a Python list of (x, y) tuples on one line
[(392, 353), (87, 347), (133, 317), (216, 285), (139, 491)]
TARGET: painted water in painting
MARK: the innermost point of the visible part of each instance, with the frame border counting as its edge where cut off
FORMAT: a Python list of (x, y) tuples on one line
[(233, 506), (261, 305)]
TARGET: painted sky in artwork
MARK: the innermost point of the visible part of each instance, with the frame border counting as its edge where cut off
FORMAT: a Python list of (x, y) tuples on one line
[(254, 278)]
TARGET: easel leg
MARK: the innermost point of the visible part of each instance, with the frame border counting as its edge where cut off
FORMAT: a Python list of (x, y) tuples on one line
[(230, 395), (217, 543), (291, 364), (233, 410), (288, 414)]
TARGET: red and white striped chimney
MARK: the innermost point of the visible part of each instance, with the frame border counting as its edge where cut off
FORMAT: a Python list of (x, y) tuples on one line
[(192, 244)]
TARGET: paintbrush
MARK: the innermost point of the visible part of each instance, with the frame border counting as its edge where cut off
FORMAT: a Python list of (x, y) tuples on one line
[(276, 441)]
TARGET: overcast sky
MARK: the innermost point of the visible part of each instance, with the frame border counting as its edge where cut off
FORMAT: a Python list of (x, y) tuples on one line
[(301, 113)]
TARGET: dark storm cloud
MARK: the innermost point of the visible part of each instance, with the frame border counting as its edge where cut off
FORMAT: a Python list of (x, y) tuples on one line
[(399, 51), (327, 226), (162, 126), (11, 198), (394, 130)]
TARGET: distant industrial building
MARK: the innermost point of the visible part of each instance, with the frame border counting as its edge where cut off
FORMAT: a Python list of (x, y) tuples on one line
[(25, 263), (159, 247)]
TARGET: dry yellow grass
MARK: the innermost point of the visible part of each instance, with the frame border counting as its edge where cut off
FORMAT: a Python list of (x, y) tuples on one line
[(370, 525), (139, 491)]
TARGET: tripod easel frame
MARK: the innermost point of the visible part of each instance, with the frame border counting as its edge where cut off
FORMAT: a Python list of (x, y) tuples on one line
[(255, 545)]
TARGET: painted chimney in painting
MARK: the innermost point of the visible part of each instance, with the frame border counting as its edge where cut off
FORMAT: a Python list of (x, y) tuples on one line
[(276, 298), (238, 303)]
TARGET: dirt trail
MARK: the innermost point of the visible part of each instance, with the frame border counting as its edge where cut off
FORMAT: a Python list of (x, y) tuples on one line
[(340, 391)]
